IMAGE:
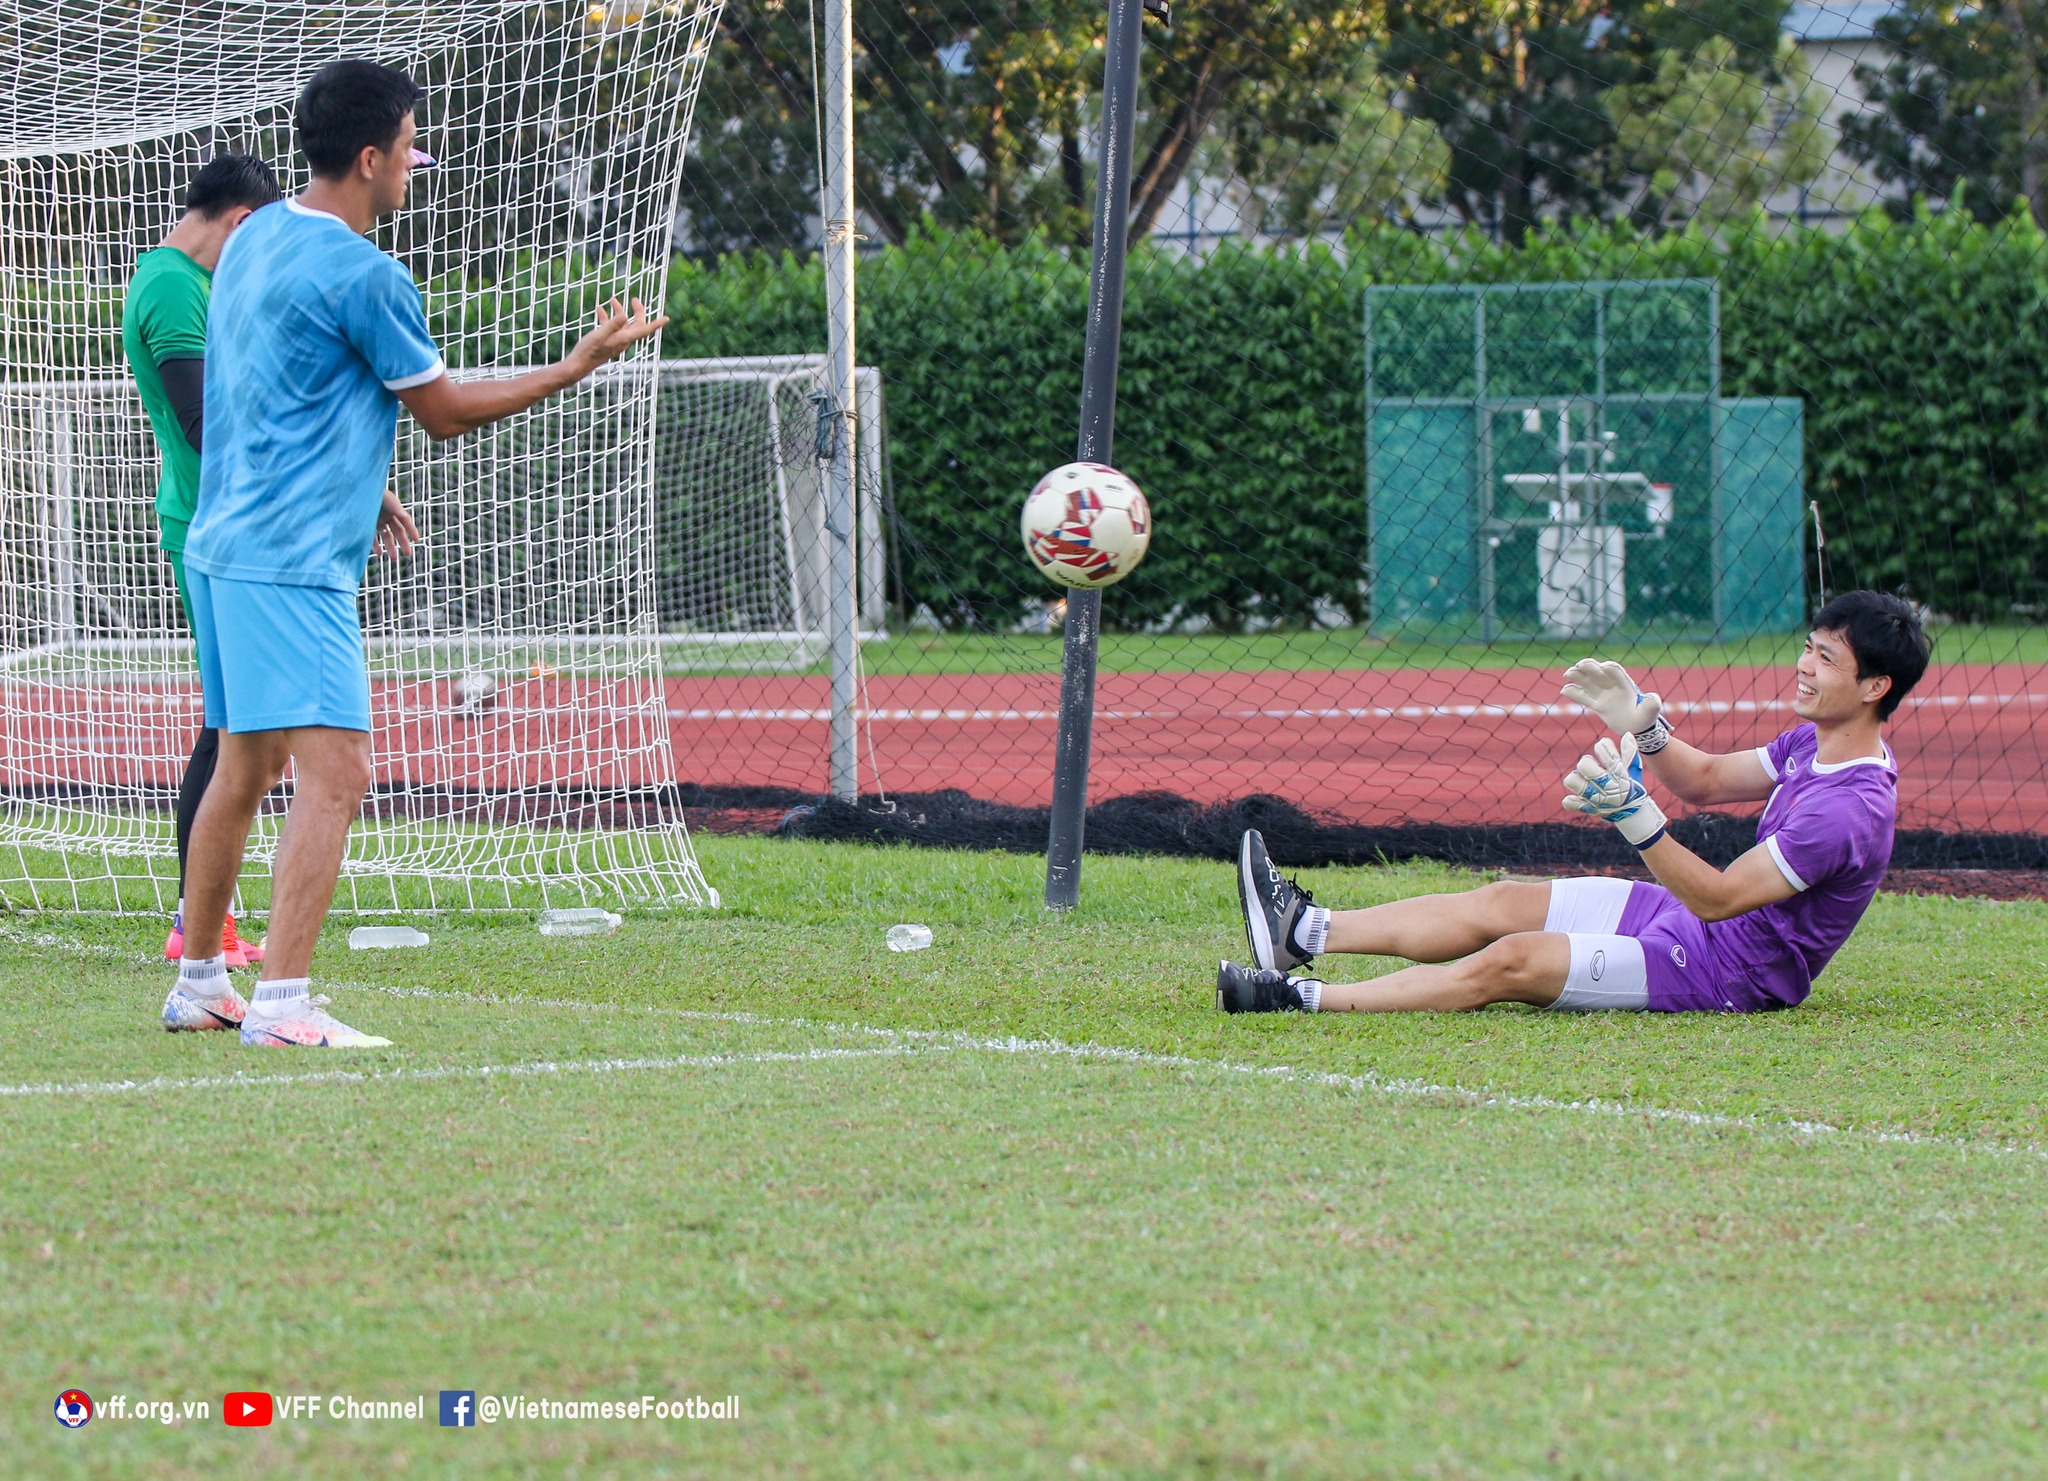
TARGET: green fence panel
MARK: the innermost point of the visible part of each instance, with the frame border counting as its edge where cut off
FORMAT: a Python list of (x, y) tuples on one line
[(1759, 525), (1654, 526), (1419, 493)]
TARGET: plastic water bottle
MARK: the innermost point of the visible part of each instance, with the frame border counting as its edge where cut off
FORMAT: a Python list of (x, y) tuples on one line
[(382, 938), (909, 938), (584, 920)]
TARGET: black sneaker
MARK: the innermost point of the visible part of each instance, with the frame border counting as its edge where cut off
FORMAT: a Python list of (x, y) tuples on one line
[(1271, 906), (1255, 990)]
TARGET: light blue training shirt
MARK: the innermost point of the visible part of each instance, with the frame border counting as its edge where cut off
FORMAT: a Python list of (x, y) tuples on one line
[(311, 332)]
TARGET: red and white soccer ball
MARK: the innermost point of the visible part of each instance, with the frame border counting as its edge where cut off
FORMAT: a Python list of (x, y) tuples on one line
[(1086, 525)]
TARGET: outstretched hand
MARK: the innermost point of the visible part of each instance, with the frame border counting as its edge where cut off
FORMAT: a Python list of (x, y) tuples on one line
[(617, 330), (1607, 690)]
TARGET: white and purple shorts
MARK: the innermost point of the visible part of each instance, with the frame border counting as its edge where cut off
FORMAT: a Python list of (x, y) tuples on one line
[(1635, 947)]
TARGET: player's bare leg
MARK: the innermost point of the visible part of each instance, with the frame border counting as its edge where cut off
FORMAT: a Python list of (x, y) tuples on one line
[(1441, 928), (333, 774), (247, 768), (1529, 967), (1473, 948), (1285, 928)]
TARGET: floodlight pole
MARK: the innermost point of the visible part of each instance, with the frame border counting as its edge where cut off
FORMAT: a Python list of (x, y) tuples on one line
[(1098, 425), (836, 425)]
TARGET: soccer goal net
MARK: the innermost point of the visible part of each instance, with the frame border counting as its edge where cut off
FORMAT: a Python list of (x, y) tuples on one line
[(518, 662)]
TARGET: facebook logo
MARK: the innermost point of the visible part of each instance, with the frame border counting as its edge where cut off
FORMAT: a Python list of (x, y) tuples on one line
[(458, 1407)]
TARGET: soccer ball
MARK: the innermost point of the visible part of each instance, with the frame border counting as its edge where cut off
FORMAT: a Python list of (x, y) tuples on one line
[(1086, 525)]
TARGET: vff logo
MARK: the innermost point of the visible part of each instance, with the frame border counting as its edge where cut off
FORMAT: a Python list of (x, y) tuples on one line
[(74, 1408), (458, 1408)]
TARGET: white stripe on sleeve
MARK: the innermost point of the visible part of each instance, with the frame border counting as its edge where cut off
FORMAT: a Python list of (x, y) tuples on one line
[(1763, 754), (432, 373), (1778, 857)]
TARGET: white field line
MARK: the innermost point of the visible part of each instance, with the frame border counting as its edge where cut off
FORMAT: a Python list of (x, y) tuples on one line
[(903, 1043), (907, 1041), (48, 942), (523, 1069)]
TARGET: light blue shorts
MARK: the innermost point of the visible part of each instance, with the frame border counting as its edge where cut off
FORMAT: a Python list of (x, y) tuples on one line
[(275, 657)]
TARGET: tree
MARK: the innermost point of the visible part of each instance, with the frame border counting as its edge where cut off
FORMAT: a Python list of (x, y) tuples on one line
[(1281, 68), (1520, 89), (1707, 138), (981, 116), (1358, 157), (1961, 102)]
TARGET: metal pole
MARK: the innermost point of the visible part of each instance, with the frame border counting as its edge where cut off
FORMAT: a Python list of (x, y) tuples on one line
[(839, 407), (1098, 426), (874, 593)]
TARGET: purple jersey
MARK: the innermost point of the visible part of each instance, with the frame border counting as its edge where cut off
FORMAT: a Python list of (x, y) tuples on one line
[(1829, 828)]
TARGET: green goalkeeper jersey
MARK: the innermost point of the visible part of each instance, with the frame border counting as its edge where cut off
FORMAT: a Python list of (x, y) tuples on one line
[(165, 319)]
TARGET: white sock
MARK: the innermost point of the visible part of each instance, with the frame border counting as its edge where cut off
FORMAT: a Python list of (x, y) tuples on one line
[(276, 999), (205, 977), (1311, 992), (1312, 931)]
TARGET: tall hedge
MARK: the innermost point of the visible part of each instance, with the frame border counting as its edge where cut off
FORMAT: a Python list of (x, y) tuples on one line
[(1920, 349)]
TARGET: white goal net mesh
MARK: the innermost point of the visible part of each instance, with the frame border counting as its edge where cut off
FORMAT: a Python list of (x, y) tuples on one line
[(518, 661)]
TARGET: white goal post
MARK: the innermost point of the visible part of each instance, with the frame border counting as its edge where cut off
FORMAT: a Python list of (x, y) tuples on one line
[(660, 516), (487, 623), (743, 579)]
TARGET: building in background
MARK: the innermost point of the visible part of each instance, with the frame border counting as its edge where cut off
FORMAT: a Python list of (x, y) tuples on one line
[(1836, 37)]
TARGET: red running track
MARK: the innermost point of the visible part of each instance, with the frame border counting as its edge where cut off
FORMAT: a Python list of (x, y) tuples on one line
[(1375, 746)]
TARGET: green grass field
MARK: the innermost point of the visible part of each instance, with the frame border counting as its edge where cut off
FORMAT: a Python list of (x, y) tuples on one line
[(1025, 1204)]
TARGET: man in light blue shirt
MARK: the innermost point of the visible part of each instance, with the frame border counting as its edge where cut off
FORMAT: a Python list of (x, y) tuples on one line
[(314, 337), (327, 329)]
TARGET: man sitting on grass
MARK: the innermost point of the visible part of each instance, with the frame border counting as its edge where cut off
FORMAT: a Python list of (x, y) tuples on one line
[(1743, 939)]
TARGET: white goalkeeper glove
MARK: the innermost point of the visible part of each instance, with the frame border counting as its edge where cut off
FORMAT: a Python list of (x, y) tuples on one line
[(1607, 690), (1609, 785)]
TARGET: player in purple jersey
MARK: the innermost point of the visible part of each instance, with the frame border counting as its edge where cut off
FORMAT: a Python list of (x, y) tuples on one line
[(1749, 937)]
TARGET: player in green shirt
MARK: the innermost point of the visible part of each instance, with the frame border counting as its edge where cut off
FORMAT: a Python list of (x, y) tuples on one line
[(163, 332)]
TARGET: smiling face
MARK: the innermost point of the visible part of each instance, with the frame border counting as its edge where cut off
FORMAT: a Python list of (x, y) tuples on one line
[(1827, 690)]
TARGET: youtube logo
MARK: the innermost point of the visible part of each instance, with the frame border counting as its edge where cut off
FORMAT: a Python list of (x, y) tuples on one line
[(247, 1409)]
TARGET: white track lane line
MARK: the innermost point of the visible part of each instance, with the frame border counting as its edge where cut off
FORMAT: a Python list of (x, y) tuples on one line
[(906, 1041), (1521, 710)]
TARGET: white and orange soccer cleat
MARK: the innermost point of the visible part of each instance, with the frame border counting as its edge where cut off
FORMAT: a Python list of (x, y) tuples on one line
[(307, 1027), (186, 1011)]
